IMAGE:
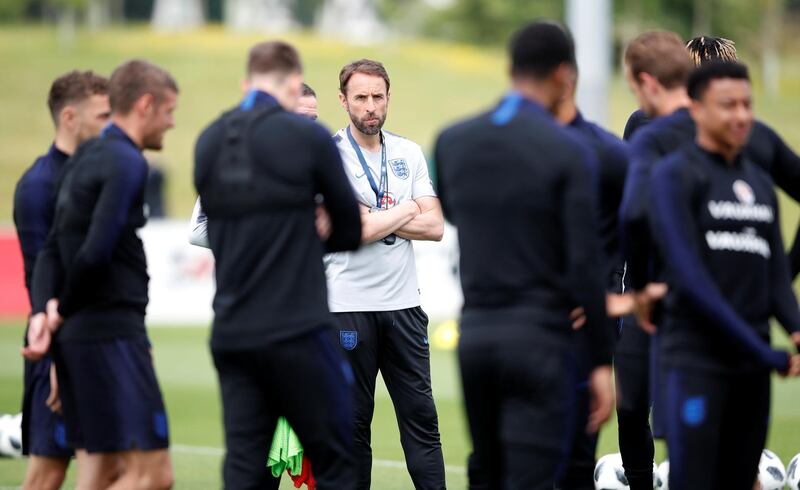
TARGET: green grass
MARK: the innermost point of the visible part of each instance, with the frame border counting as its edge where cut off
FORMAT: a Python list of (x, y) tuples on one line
[(189, 384)]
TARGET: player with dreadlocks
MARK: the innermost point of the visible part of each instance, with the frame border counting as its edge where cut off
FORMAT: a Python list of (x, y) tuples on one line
[(704, 48)]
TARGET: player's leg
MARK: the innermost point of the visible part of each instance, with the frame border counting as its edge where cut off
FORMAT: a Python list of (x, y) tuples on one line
[(657, 394), (112, 404), (249, 418), (357, 334), (476, 357), (144, 470), (579, 473), (45, 473), (97, 471), (537, 419), (694, 407), (321, 413), (631, 372), (744, 429), (45, 438), (580, 468), (404, 360)]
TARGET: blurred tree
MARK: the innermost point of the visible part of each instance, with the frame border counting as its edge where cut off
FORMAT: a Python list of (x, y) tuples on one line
[(214, 10), (305, 12), (701, 17), (12, 9), (406, 16), (488, 21), (137, 10)]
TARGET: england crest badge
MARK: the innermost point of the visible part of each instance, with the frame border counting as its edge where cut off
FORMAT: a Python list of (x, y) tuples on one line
[(399, 168), (348, 339)]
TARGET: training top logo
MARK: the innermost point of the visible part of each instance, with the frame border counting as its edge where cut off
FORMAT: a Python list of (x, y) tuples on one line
[(744, 208), (744, 192), (399, 168)]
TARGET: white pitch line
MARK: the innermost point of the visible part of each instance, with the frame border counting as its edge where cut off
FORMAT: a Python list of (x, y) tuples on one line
[(199, 450), (216, 451)]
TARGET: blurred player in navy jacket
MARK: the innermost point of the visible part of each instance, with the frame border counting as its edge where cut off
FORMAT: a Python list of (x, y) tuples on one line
[(716, 222), (78, 103)]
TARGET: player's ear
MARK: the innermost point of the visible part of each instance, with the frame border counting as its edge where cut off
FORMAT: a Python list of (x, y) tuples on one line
[(67, 117), (145, 104), (648, 82), (343, 100), (245, 85)]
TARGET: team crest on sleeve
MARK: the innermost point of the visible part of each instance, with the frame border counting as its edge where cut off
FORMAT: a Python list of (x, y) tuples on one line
[(348, 339), (399, 168)]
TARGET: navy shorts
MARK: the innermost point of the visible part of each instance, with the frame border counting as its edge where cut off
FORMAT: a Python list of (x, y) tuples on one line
[(43, 432), (716, 427), (110, 396)]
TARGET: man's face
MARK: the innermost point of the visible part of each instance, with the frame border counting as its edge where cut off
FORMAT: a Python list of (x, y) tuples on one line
[(307, 106), (91, 115), (366, 102), (158, 120), (643, 98), (725, 112)]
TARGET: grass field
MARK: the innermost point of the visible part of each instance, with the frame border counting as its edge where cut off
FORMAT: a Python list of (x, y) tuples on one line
[(190, 388)]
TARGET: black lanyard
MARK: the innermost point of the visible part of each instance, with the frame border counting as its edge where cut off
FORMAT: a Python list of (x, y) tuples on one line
[(381, 193)]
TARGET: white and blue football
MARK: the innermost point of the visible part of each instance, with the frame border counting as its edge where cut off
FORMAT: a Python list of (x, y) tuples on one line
[(609, 474), (793, 473), (11, 436), (771, 472), (662, 476)]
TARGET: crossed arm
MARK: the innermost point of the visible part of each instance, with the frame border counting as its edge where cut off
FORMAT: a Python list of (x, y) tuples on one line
[(419, 219)]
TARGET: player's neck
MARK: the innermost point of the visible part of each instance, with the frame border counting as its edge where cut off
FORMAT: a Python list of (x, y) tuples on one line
[(370, 142), (540, 92), (672, 100), (710, 144), (130, 127), (279, 91), (65, 143)]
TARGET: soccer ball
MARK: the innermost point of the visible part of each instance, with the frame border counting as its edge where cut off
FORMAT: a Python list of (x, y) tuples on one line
[(609, 474), (11, 435), (793, 473), (771, 472), (662, 476)]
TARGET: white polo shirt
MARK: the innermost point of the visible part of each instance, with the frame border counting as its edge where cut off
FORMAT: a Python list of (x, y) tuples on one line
[(379, 277)]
